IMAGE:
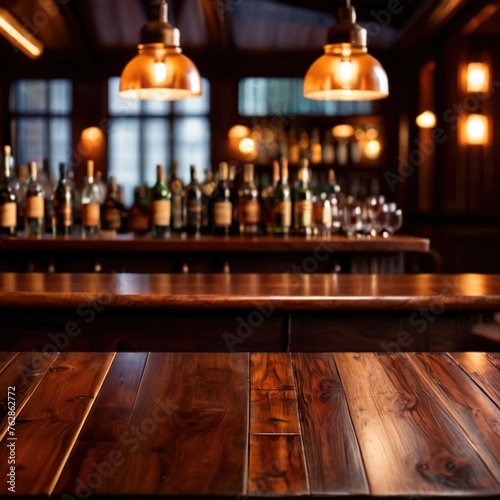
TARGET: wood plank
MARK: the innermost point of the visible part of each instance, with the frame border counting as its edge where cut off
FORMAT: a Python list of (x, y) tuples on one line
[(480, 368), (408, 440), (188, 433), (95, 455), (276, 466), (271, 371), (24, 373), (49, 424), (274, 412), (332, 452), (5, 359), (476, 413)]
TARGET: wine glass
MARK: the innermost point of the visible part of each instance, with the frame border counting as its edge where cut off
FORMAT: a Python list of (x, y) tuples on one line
[(394, 219)]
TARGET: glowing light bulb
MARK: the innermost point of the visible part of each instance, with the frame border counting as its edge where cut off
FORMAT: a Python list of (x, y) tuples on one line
[(427, 119), (477, 77), (477, 129), (247, 145), (346, 71), (372, 149), (160, 71)]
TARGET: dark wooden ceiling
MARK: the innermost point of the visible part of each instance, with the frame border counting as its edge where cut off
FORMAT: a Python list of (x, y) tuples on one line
[(93, 30)]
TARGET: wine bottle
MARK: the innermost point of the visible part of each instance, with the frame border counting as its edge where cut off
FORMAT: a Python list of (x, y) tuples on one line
[(322, 213), (112, 210), (316, 153), (194, 204), (328, 152), (160, 206), (176, 189), (138, 214), (62, 203), (8, 205), (208, 187), (282, 203), (34, 211), (222, 208), (233, 189), (267, 199), (302, 201), (91, 196), (248, 203)]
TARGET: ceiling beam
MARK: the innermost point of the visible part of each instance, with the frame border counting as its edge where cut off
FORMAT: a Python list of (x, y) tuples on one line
[(217, 19)]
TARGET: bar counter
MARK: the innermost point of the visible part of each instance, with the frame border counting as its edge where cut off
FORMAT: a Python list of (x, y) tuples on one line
[(230, 425), (250, 312), (126, 253)]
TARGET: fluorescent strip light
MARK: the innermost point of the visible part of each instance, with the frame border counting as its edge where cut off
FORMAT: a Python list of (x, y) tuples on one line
[(19, 36)]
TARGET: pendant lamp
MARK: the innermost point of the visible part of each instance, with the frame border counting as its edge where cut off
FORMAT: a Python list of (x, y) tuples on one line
[(160, 71), (346, 72)]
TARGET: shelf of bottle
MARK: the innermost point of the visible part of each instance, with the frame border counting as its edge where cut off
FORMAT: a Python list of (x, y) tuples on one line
[(352, 167)]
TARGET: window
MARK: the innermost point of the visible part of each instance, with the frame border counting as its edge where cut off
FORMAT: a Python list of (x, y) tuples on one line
[(142, 134), (284, 96), (41, 121)]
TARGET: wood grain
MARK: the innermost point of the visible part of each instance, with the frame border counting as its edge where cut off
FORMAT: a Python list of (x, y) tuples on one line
[(475, 412), (276, 466), (332, 452), (188, 430), (49, 423), (274, 412), (408, 440), (5, 359), (95, 454), (484, 373), (24, 373), (271, 371)]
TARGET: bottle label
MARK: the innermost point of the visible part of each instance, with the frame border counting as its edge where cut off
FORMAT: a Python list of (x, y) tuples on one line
[(35, 207), (112, 218), (303, 213), (283, 214), (249, 211), (323, 214), (139, 222), (161, 213), (177, 211), (194, 213), (222, 213), (64, 215), (8, 214), (90, 214)]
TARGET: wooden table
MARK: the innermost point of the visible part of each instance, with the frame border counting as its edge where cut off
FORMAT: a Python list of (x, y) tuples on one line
[(247, 312), (176, 254), (387, 425)]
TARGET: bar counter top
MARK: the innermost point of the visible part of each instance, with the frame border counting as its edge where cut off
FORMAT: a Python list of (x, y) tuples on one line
[(241, 425), (291, 291)]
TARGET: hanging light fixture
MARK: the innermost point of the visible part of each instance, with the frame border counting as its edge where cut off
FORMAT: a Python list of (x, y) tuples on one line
[(160, 71), (346, 72)]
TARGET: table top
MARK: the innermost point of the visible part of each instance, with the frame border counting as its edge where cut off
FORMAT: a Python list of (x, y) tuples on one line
[(216, 244), (388, 425), (288, 291)]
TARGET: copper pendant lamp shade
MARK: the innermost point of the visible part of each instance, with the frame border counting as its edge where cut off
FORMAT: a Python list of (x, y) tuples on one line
[(346, 72), (160, 71)]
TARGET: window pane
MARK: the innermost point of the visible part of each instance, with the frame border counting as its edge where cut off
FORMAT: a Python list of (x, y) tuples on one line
[(30, 140), (191, 144), (156, 107), (118, 105), (156, 139), (29, 96), (60, 97), (195, 105), (60, 143), (124, 155)]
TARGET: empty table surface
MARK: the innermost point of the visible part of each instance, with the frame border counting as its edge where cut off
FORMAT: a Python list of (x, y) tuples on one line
[(388, 425)]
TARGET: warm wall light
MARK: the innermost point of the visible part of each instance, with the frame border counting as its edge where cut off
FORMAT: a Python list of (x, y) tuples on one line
[(160, 71), (19, 36), (427, 119), (346, 72), (343, 131), (476, 130), (247, 145), (478, 77), (238, 132), (372, 149), (92, 134)]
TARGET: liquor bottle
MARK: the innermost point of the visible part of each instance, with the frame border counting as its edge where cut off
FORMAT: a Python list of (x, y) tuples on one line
[(102, 188), (222, 208), (62, 204), (248, 203), (194, 205), (316, 153), (293, 148), (267, 199), (91, 196), (8, 205), (322, 214), (328, 152), (112, 210), (302, 201), (45, 180), (19, 190), (176, 189), (160, 206), (282, 203), (138, 214), (208, 187), (34, 211), (233, 189), (304, 151)]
